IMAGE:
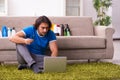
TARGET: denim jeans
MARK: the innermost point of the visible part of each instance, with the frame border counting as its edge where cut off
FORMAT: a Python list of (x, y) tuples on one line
[(25, 57)]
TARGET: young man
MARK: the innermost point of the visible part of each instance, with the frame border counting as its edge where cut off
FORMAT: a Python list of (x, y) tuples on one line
[(32, 42)]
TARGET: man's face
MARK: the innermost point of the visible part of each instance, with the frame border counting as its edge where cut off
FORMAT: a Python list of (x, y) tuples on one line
[(43, 29)]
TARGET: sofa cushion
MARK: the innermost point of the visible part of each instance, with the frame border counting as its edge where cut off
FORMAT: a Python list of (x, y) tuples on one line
[(80, 42), (5, 44)]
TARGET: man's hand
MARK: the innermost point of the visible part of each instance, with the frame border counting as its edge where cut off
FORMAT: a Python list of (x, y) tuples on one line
[(28, 41)]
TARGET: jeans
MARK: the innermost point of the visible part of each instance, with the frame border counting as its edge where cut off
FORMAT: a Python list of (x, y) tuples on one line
[(25, 57)]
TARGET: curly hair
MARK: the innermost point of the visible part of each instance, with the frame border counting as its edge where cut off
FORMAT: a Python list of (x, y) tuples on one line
[(42, 19)]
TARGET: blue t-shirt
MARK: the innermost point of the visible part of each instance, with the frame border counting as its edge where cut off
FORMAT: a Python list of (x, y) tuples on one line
[(40, 43)]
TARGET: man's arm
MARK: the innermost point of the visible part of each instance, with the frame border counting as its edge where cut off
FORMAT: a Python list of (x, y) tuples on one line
[(53, 48), (19, 38)]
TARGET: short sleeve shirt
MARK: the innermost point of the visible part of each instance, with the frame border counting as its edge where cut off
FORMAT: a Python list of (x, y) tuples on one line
[(40, 43)]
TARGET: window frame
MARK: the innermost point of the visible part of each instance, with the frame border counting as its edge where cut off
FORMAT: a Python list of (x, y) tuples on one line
[(81, 8)]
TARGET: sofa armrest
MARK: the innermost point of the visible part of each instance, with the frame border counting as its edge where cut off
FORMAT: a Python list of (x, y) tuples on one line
[(103, 31), (107, 33)]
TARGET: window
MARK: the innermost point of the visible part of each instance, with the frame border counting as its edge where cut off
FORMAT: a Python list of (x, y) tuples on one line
[(72, 7)]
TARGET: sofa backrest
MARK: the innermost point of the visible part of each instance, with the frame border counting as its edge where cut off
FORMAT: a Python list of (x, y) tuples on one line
[(78, 25), (17, 22)]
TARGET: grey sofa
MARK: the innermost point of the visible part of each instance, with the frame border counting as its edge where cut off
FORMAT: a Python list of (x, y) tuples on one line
[(86, 42)]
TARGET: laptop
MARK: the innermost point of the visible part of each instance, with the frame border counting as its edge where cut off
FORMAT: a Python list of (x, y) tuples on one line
[(55, 64)]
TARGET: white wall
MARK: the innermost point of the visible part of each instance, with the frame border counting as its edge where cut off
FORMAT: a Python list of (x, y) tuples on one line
[(35, 7), (116, 18), (57, 8), (88, 9), (45, 7)]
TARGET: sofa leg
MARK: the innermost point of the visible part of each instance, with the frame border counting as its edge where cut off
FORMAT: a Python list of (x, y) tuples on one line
[(88, 60), (97, 60), (1, 63)]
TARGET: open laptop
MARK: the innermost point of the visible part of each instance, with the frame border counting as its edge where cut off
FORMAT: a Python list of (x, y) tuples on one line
[(55, 64)]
